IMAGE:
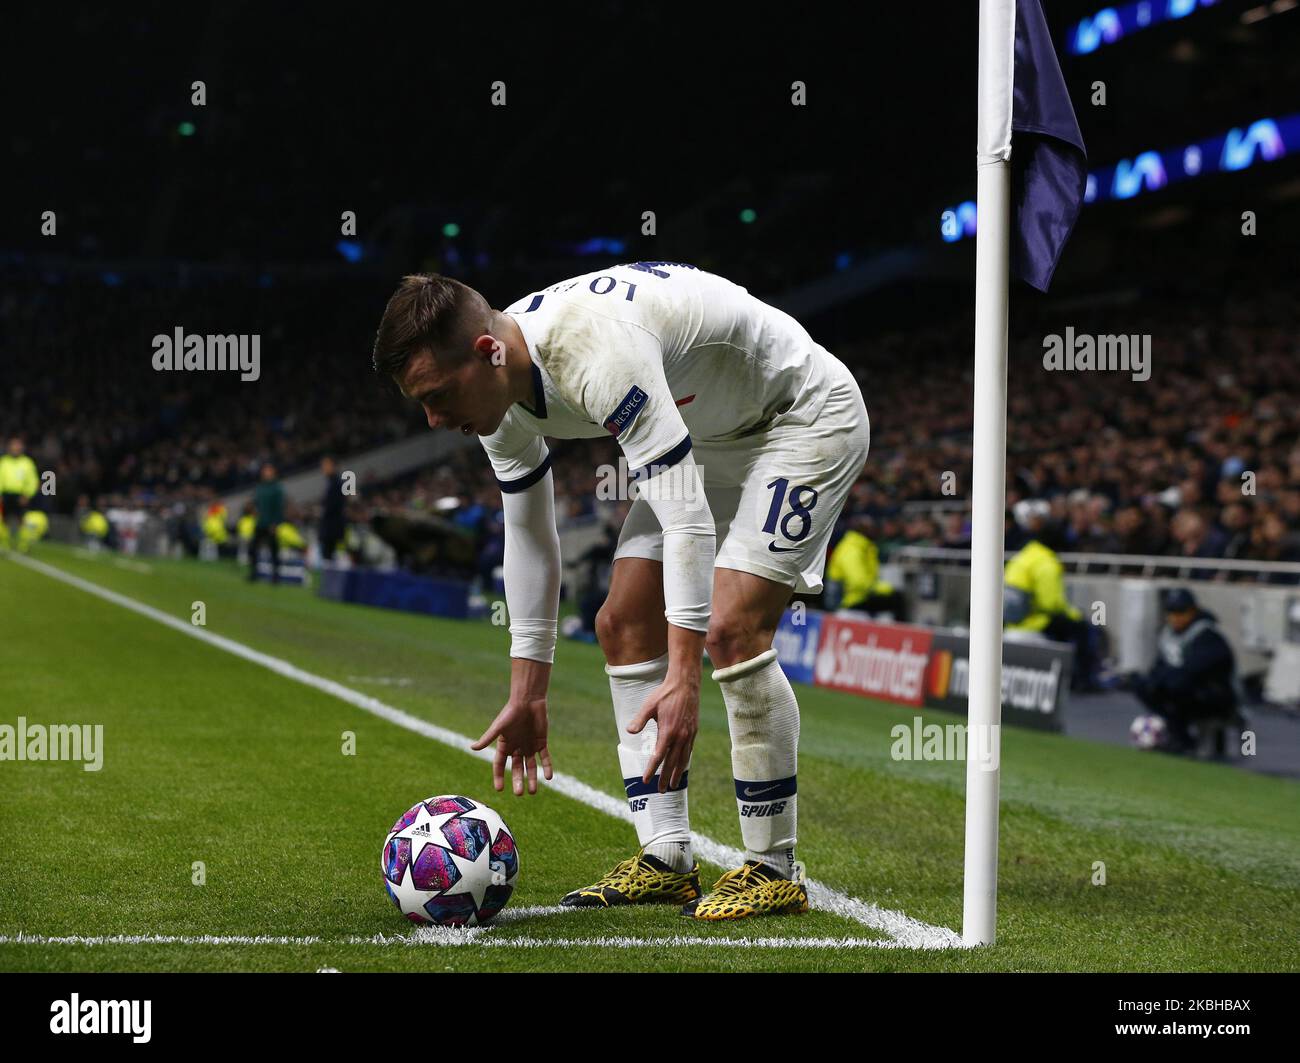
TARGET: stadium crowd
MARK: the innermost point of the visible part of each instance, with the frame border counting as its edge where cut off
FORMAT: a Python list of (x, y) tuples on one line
[(92, 408), (1201, 460)]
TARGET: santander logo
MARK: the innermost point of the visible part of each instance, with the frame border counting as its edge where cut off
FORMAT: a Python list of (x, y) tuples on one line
[(880, 661)]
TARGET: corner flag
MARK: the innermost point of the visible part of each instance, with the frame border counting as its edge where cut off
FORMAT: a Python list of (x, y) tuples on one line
[(1021, 90), (1049, 163)]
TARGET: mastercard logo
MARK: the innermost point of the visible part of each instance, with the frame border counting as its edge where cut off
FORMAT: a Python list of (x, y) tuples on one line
[(940, 673)]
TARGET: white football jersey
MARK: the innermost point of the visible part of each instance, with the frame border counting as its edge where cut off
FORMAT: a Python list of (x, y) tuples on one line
[(660, 355)]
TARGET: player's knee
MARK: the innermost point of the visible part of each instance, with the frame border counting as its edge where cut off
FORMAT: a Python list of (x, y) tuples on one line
[(607, 627), (732, 641), (626, 635)]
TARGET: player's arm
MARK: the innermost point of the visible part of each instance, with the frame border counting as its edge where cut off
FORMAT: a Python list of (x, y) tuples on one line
[(532, 570), (674, 491), (676, 494), (532, 581), (628, 393)]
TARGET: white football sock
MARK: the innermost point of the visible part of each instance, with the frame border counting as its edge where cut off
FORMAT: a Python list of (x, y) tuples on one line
[(763, 717), (661, 822)]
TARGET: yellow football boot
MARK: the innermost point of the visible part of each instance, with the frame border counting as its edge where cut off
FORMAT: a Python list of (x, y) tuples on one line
[(641, 880), (754, 889)]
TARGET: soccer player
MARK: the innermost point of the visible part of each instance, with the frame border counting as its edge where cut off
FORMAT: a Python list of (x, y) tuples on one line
[(744, 437)]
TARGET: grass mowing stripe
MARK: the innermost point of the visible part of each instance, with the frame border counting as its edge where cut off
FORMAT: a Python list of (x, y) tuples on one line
[(906, 931)]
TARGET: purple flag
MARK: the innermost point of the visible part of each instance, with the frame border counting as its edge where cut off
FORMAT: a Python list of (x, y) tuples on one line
[(1048, 160)]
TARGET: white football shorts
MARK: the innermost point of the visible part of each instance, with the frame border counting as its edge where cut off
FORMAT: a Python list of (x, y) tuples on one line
[(775, 496)]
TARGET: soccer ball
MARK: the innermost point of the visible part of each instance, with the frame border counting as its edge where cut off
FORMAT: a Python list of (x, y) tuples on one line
[(1148, 731), (449, 861)]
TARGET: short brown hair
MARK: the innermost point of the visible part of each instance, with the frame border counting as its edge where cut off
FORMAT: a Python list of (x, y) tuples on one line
[(428, 312)]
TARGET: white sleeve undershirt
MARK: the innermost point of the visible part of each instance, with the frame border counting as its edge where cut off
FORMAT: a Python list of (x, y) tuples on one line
[(676, 495), (531, 569)]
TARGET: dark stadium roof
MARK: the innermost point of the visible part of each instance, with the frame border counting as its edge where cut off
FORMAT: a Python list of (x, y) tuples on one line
[(613, 109)]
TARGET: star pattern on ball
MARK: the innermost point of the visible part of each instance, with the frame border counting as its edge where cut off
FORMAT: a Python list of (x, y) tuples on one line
[(411, 901), (465, 878), (475, 875), (426, 830)]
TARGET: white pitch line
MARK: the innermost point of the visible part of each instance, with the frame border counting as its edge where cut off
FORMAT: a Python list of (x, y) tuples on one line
[(531, 911), (908, 932), (467, 938), (619, 941), (89, 941)]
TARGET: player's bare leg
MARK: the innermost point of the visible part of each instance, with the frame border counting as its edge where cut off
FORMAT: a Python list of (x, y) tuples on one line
[(747, 610), (634, 637), (763, 717), (630, 625)]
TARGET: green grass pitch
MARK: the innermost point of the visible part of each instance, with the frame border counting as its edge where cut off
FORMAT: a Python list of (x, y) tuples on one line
[(212, 758)]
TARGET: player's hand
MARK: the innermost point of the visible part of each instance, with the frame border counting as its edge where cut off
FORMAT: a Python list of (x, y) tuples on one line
[(520, 734), (675, 708)]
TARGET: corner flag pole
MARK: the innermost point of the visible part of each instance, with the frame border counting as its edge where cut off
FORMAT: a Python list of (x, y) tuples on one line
[(997, 20)]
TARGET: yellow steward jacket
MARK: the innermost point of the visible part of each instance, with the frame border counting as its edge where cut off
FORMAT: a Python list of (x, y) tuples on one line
[(95, 523), (855, 565), (18, 475), (288, 536), (214, 525), (35, 524), (1034, 576)]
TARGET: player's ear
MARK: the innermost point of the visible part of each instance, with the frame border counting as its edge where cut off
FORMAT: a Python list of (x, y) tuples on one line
[(491, 349)]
